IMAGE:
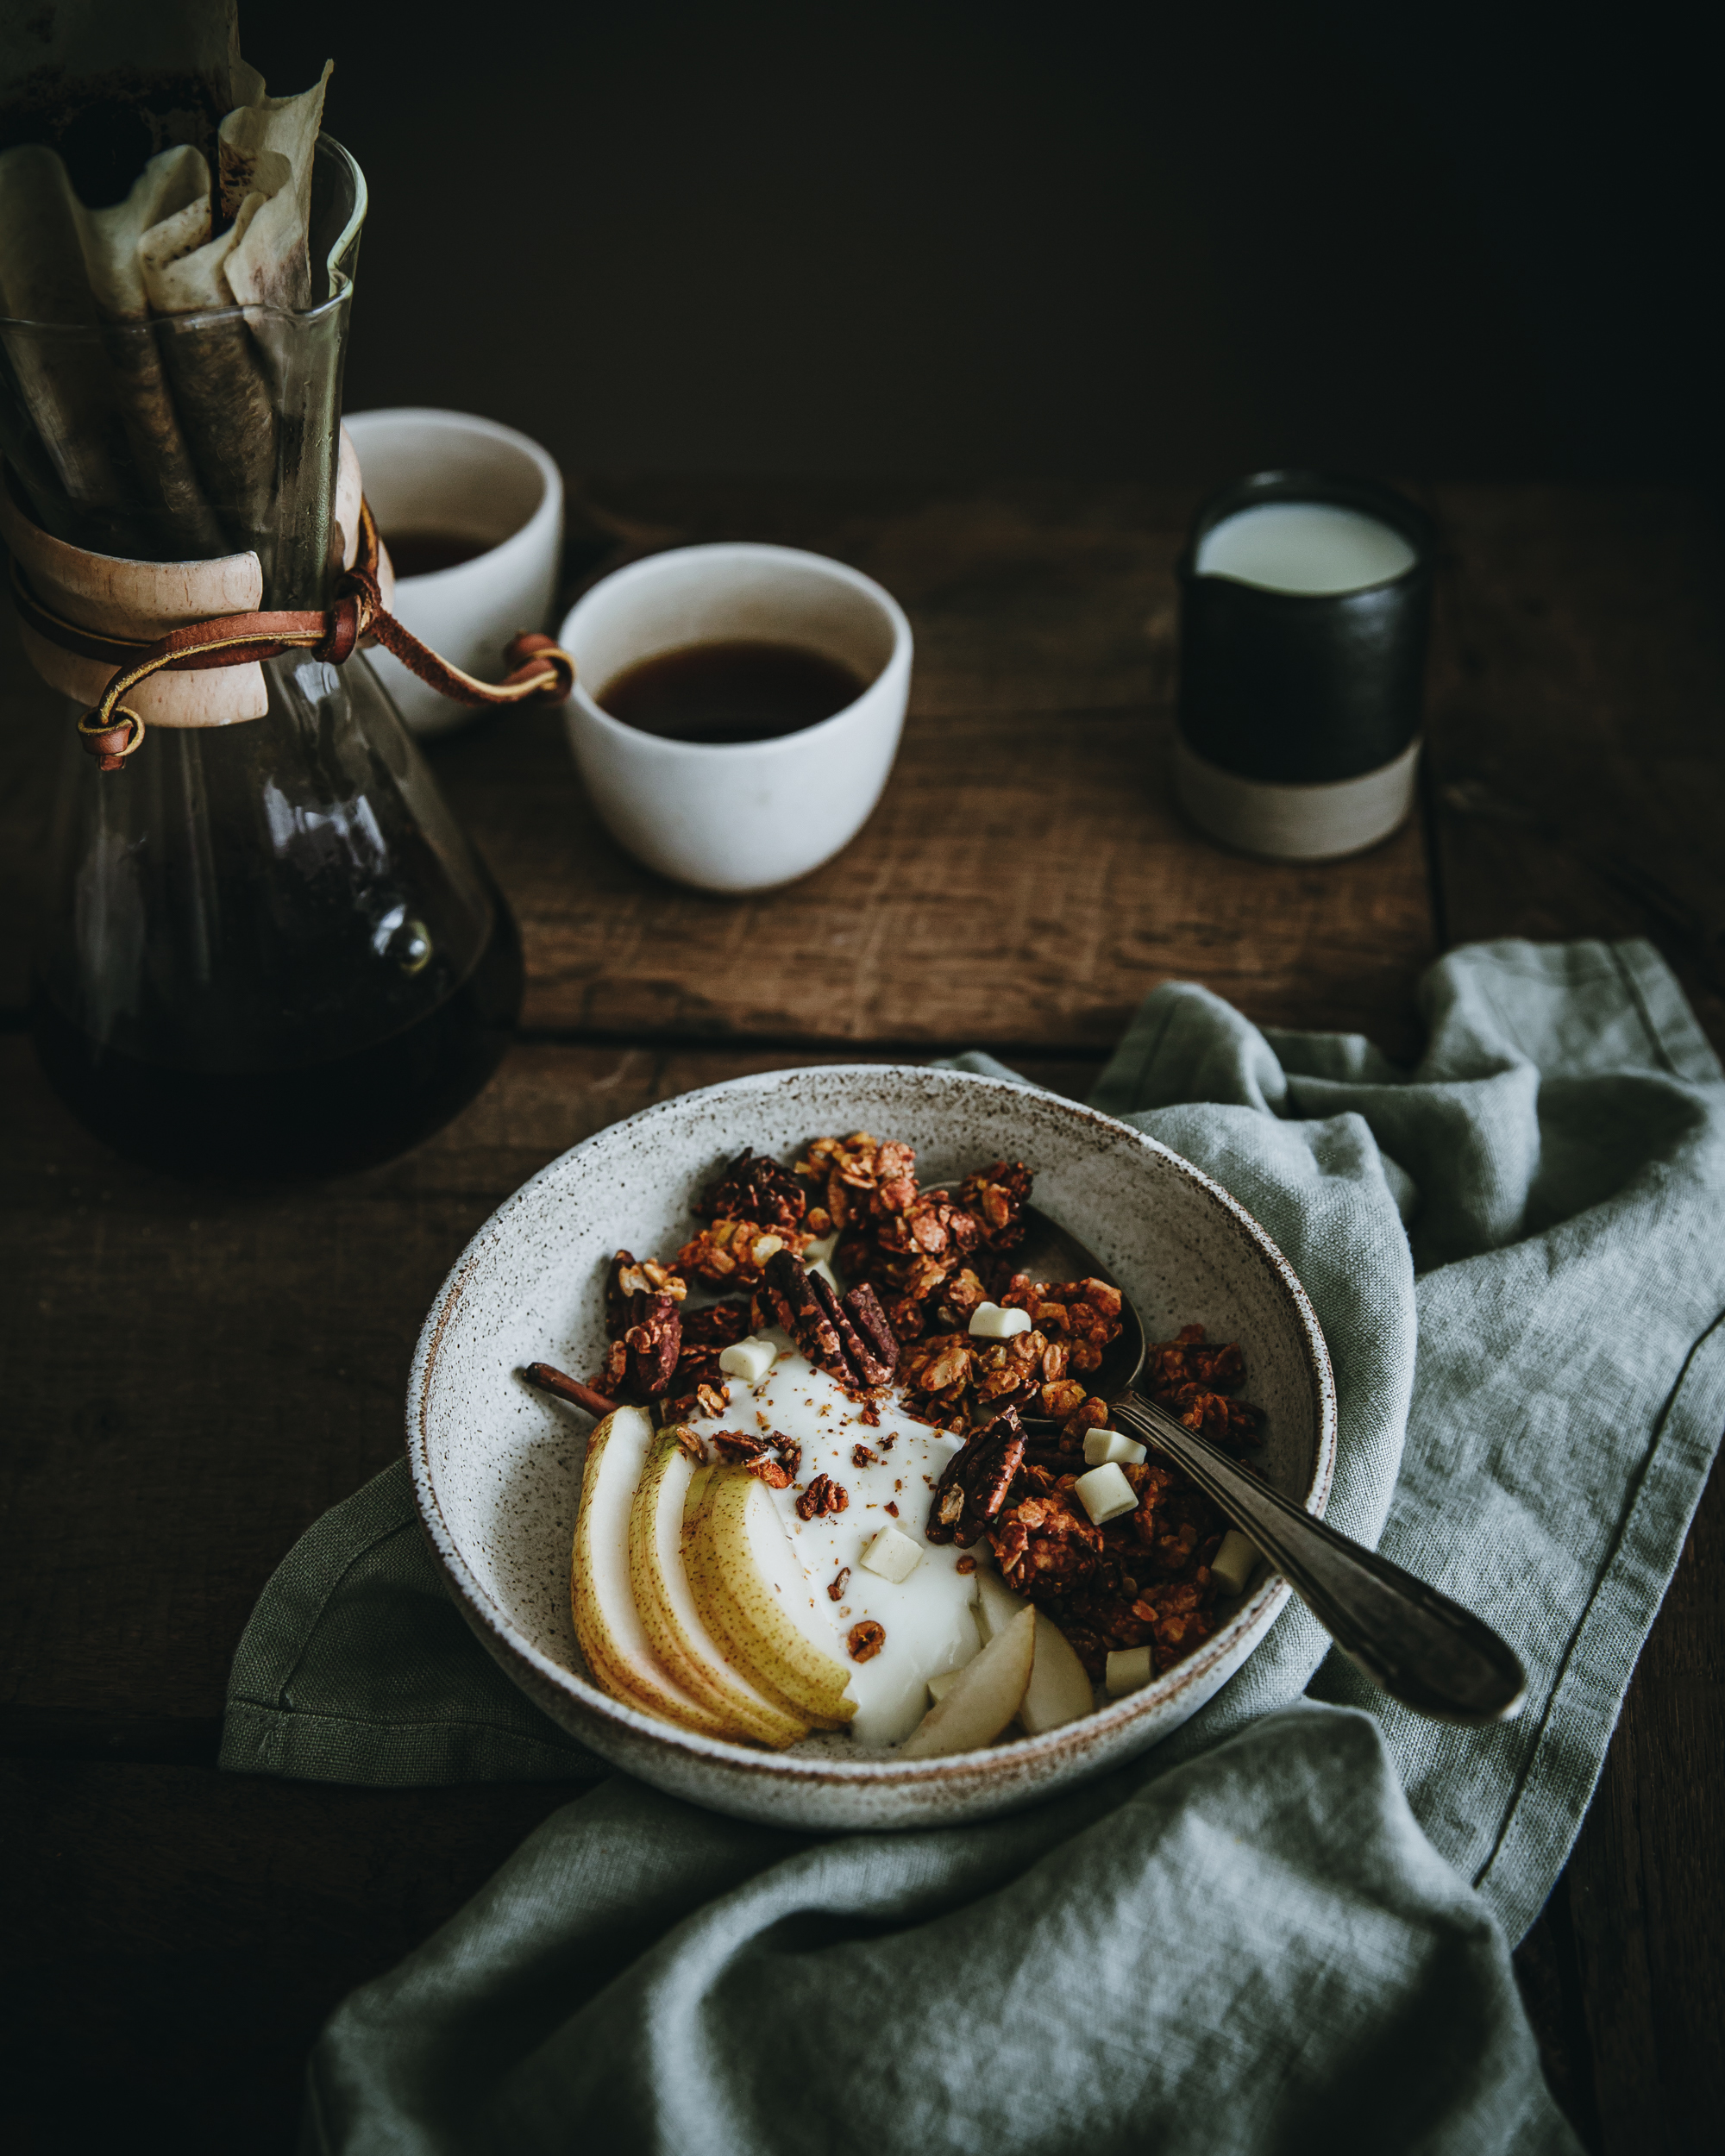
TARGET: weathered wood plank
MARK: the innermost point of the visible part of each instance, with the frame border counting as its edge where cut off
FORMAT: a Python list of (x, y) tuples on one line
[(1578, 788), (1025, 880)]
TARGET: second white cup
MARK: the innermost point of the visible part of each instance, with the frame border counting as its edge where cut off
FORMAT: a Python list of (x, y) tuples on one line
[(741, 815), (454, 478)]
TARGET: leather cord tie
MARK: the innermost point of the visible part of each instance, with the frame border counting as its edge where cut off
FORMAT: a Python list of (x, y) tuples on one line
[(541, 669)]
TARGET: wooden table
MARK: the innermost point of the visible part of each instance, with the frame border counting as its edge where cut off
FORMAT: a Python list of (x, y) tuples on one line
[(193, 1376)]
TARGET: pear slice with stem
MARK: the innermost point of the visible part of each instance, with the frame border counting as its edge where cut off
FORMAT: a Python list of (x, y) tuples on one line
[(662, 1594), (982, 1698), (752, 1595), (607, 1624)]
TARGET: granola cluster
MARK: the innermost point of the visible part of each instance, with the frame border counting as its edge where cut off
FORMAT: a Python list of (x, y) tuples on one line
[(933, 1256), (1143, 1578), (658, 1352), (963, 1384)]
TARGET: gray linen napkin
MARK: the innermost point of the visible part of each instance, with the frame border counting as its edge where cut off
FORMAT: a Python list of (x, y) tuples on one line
[(1288, 1922)]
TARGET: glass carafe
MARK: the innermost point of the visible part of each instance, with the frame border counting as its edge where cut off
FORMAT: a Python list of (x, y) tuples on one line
[(267, 947)]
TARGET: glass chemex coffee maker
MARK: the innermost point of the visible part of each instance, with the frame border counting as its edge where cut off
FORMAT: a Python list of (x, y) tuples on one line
[(267, 948)]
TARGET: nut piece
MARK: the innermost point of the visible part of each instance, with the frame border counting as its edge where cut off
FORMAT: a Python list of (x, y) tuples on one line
[(654, 1341), (1232, 1566), (756, 1455), (989, 1322), (973, 1483), (749, 1359), (866, 1640), (893, 1555), (1105, 1493), (822, 1496), (1128, 1669), (836, 1585), (1100, 1445)]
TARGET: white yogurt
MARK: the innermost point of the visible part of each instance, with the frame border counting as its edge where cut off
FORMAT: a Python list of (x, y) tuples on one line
[(926, 1618)]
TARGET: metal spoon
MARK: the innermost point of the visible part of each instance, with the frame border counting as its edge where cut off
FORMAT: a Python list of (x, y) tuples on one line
[(1423, 1649)]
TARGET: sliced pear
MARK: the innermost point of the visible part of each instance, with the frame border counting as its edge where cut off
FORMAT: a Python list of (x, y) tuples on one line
[(660, 1580), (982, 1698), (1059, 1689), (750, 1589), (699, 1479), (607, 1623), (996, 1605)]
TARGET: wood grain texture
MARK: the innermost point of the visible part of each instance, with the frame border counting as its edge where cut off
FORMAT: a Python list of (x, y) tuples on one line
[(1577, 777), (1025, 880)]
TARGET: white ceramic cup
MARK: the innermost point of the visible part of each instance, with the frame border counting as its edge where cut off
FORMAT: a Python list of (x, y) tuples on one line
[(450, 472), (737, 815)]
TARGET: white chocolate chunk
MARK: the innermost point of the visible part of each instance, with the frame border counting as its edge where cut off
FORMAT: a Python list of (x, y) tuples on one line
[(1232, 1566), (749, 1359), (1129, 1670), (827, 1273), (893, 1555), (1106, 1494), (989, 1322), (1102, 1445), (819, 1252)]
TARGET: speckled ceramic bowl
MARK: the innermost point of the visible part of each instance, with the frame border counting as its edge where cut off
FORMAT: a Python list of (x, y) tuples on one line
[(497, 1467)]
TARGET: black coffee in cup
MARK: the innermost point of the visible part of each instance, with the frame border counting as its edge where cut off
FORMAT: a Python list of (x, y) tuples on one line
[(742, 689)]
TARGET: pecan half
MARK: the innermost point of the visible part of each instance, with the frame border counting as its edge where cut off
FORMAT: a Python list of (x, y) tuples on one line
[(756, 1188), (822, 1496), (859, 1352), (866, 1640), (975, 1481), (654, 1341), (804, 1313), (863, 1307)]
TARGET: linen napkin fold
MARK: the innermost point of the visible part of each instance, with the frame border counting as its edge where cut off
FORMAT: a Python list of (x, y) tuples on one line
[(1291, 1914)]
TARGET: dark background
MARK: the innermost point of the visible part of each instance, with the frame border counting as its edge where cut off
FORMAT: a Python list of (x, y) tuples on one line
[(1454, 240)]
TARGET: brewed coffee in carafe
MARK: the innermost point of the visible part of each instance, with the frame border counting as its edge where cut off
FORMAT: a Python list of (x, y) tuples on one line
[(267, 946)]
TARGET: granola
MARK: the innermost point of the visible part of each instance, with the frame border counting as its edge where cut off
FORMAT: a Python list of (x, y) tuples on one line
[(917, 1264), (1142, 1579)]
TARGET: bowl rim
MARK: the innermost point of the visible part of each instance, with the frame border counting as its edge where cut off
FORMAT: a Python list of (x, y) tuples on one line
[(1253, 1617)]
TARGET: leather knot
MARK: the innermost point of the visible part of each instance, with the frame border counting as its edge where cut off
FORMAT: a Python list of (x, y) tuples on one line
[(530, 653)]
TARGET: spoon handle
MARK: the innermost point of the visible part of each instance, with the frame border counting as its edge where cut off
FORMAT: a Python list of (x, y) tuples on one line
[(1423, 1649)]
